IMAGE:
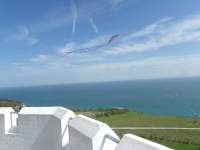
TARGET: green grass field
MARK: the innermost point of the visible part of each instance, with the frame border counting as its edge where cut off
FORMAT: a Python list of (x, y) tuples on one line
[(179, 146), (136, 119), (176, 139)]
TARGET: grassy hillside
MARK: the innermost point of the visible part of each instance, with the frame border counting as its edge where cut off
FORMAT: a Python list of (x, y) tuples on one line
[(176, 139), (136, 119), (11, 103)]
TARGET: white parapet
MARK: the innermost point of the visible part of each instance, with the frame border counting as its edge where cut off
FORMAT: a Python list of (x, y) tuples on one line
[(57, 128), (132, 142), (89, 134), (7, 120), (38, 128)]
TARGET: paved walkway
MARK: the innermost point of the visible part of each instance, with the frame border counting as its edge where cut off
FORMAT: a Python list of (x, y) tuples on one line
[(153, 128)]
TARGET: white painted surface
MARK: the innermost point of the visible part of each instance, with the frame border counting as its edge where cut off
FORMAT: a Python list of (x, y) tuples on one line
[(37, 129), (5, 120), (57, 128), (132, 142), (89, 134)]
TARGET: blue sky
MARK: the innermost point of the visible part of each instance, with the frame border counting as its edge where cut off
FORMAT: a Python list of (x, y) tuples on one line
[(158, 39)]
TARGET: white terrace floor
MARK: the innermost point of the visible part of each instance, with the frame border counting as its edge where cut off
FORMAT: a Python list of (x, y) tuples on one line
[(57, 128)]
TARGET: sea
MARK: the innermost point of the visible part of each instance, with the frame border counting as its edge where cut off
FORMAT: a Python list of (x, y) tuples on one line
[(180, 97)]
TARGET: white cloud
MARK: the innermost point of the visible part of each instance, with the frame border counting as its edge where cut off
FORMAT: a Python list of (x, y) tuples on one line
[(93, 25), (60, 71), (90, 43), (68, 15), (116, 2), (74, 10), (95, 41), (155, 67), (67, 48), (165, 32), (40, 59), (162, 34), (21, 34), (152, 28), (31, 41)]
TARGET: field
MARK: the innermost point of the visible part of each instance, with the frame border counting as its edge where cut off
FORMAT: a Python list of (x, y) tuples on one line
[(176, 139)]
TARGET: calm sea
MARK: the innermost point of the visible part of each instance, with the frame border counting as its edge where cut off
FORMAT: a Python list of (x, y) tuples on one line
[(170, 96)]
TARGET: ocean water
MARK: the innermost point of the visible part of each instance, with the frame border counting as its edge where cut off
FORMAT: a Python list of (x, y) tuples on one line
[(170, 96)]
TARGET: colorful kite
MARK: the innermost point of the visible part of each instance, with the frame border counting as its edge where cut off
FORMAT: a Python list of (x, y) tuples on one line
[(87, 49)]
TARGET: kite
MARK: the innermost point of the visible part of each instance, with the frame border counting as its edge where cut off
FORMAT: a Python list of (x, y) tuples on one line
[(87, 49), (112, 38)]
